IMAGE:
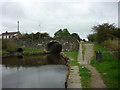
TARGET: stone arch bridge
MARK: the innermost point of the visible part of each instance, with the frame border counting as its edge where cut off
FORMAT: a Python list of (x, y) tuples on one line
[(68, 43)]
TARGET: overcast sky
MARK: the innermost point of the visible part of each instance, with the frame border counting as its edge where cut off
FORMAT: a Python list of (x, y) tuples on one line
[(77, 16)]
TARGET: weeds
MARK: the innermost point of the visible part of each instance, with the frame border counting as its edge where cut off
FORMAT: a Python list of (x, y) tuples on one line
[(85, 77)]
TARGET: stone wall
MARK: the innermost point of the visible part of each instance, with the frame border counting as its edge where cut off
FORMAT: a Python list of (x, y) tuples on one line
[(68, 43)]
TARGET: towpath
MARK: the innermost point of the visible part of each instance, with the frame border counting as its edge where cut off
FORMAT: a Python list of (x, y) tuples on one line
[(96, 79), (74, 78)]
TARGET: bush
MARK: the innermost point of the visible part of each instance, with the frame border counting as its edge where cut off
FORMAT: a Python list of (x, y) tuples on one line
[(9, 45), (111, 44), (4, 44)]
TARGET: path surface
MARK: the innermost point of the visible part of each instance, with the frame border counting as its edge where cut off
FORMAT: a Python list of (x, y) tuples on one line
[(88, 54), (80, 57), (96, 80), (74, 78)]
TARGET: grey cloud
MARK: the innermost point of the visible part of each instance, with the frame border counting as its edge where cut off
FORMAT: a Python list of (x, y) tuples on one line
[(77, 17), (119, 14), (104, 11), (12, 10)]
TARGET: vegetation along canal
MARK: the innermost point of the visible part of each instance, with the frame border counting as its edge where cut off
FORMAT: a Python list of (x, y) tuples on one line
[(36, 71)]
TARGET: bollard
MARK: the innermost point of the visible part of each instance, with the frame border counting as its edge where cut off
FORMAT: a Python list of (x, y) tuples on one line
[(98, 55)]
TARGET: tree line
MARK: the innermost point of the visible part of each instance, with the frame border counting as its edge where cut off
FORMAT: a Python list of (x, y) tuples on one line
[(104, 32), (34, 35), (59, 33)]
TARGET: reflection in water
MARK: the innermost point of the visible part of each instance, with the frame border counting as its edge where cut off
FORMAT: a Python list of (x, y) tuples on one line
[(38, 71), (1, 77), (36, 60), (47, 76)]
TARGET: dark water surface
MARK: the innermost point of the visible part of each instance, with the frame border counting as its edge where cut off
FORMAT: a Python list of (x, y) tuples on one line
[(43, 71)]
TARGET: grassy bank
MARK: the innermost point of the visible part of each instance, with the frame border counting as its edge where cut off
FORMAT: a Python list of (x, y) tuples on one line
[(10, 45), (25, 50), (108, 67), (85, 77), (73, 56), (3, 52), (32, 50)]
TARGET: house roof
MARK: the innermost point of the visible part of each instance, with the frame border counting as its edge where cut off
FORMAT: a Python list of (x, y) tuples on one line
[(10, 33)]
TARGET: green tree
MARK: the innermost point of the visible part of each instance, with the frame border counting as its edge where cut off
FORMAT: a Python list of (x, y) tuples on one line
[(24, 36), (66, 32), (58, 33), (115, 32), (34, 35), (61, 32), (75, 35), (44, 35), (103, 31), (92, 37)]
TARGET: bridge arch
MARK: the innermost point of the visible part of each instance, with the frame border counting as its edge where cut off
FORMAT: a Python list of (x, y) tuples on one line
[(54, 47)]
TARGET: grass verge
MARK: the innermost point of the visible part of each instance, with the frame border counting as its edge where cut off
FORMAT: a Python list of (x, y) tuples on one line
[(32, 50), (83, 51), (3, 52), (72, 55), (25, 50), (85, 77), (108, 67)]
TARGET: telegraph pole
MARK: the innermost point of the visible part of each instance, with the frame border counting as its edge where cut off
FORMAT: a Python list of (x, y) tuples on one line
[(18, 25), (39, 27), (39, 31), (18, 30)]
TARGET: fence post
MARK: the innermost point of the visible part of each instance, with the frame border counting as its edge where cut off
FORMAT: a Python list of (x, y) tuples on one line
[(98, 55)]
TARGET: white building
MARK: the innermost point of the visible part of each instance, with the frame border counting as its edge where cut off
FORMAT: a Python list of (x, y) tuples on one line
[(10, 35)]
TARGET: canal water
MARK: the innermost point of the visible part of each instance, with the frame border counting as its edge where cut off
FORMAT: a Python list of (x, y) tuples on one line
[(38, 71)]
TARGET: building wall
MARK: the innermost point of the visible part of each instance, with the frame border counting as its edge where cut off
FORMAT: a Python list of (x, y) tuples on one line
[(9, 36)]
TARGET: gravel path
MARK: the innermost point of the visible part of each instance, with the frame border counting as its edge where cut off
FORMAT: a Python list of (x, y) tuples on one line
[(74, 78), (80, 57), (89, 52), (96, 80)]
